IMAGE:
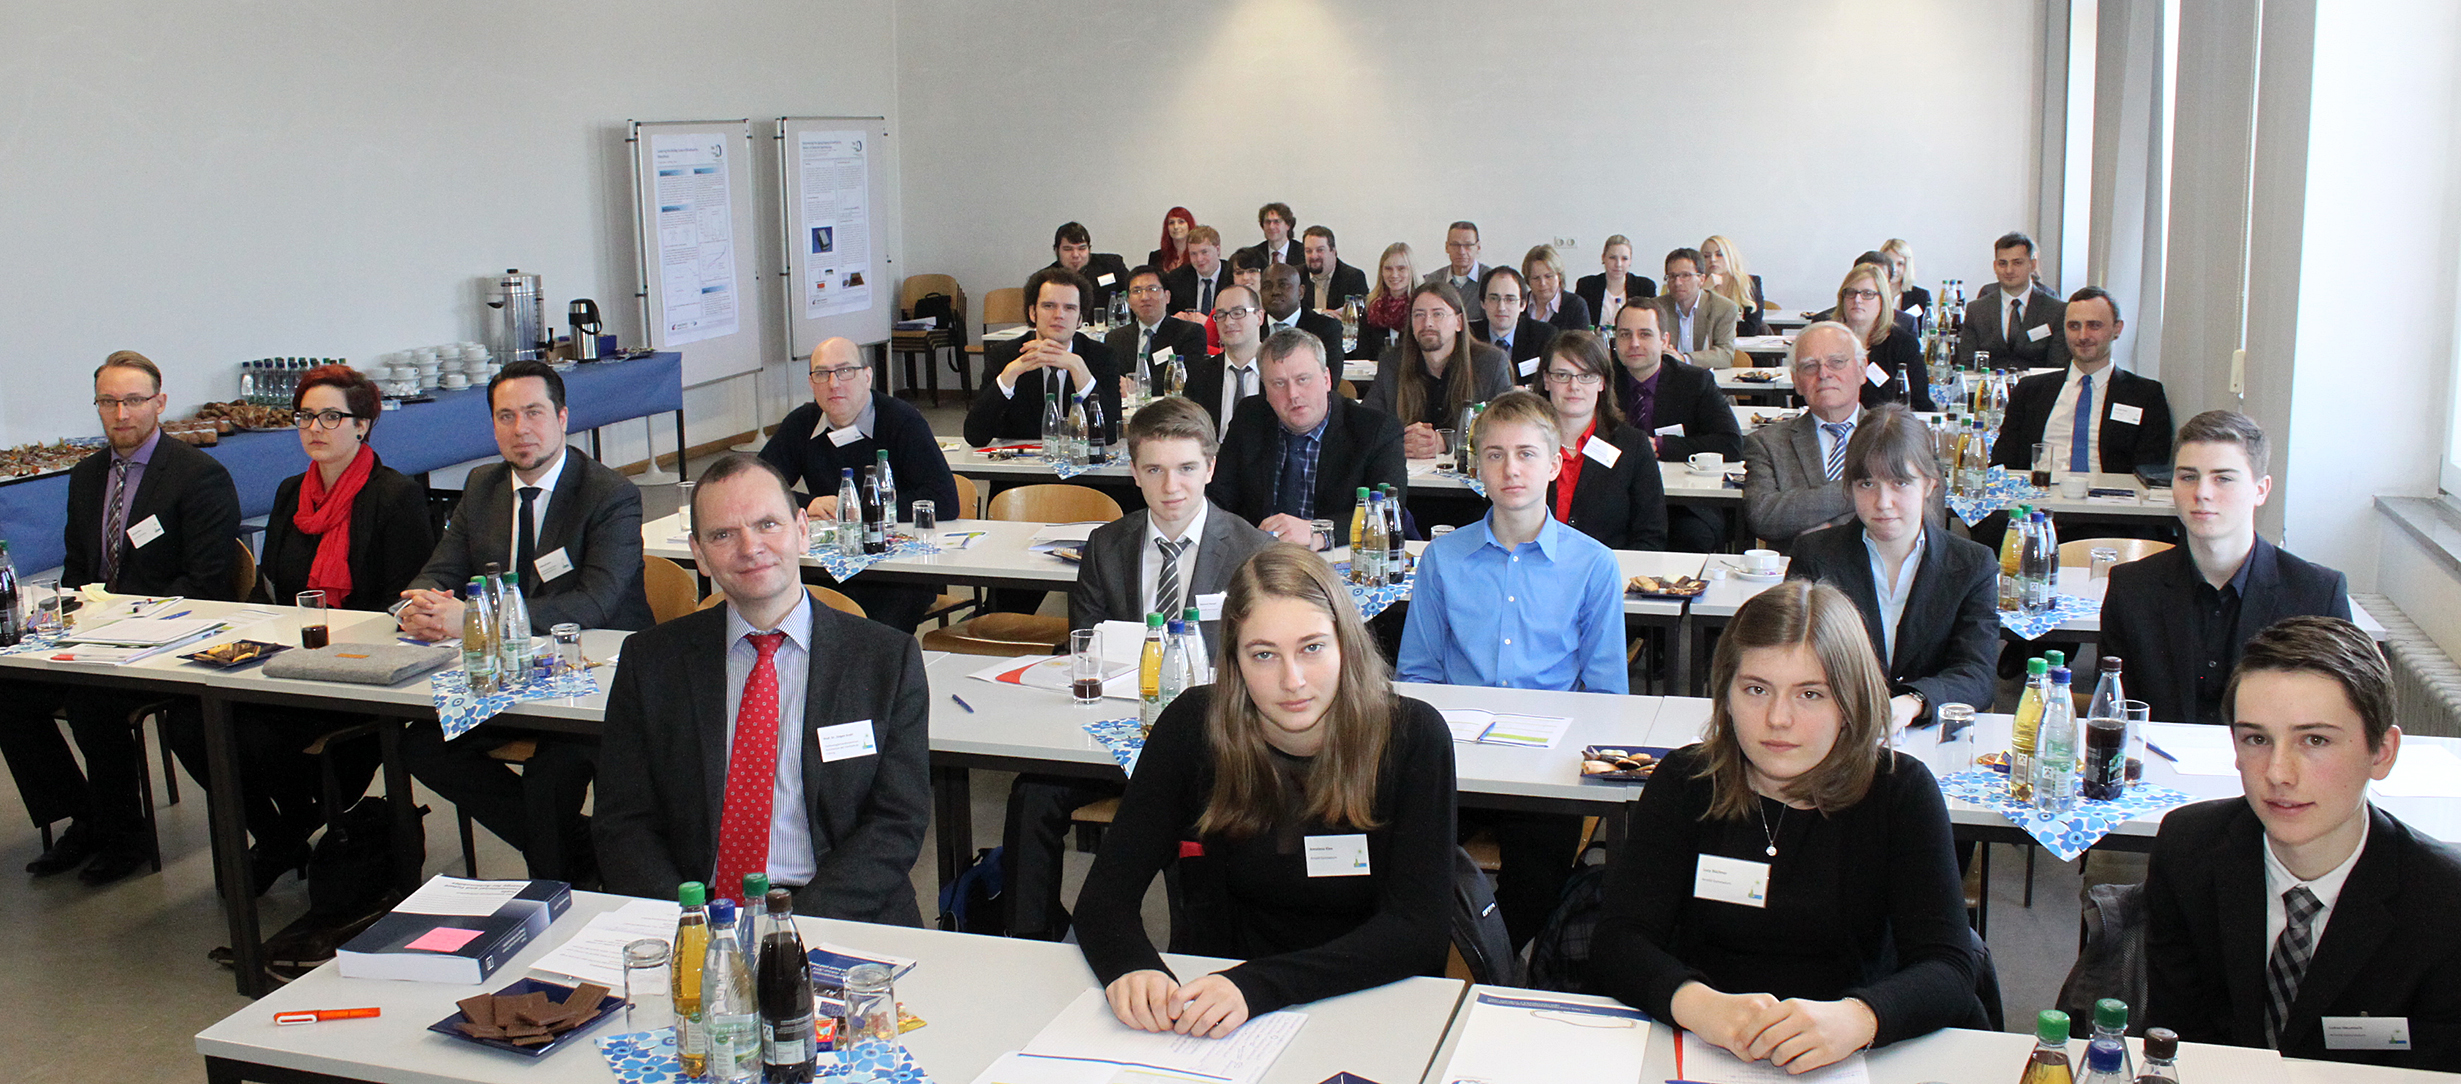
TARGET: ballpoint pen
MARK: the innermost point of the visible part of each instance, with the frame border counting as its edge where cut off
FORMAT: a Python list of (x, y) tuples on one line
[(961, 702), (311, 1016), (2161, 752)]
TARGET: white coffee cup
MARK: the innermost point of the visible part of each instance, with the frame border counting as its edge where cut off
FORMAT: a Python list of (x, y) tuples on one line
[(2073, 486), (1760, 562), (1707, 462), (456, 380)]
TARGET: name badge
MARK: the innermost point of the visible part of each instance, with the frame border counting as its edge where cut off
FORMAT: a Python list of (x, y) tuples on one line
[(1731, 880), (1874, 373), (846, 436), (846, 741), (1106, 280), (145, 530), (1209, 607), (1602, 451), (1675, 430), (2127, 413), (1528, 368), (1337, 856), (553, 564), (1164, 355), (2037, 333), (2367, 1033), (1915, 311)]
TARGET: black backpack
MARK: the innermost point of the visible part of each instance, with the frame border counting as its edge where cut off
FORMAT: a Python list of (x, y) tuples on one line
[(944, 307), (970, 902), (1559, 956), (1478, 926)]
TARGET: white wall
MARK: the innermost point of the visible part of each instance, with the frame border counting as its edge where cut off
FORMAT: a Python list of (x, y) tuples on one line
[(1808, 132), (208, 183)]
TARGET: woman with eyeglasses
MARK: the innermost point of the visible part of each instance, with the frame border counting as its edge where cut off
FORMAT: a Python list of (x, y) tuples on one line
[(1609, 488), (1866, 303)]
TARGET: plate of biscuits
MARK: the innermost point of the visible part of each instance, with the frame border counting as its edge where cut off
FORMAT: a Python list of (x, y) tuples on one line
[(1620, 764), (530, 1018), (1666, 586)]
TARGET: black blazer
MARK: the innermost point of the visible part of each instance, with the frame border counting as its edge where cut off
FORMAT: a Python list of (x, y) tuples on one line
[(1948, 639), (1362, 447), (1325, 327), (1205, 375), (996, 417), (188, 493), (1982, 330), (1572, 314), (1623, 506), (1100, 264), (1348, 282), (663, 758), (1182, 284), (594, 516), (1184, 338), (1592, 290), (2389, 949), (390, 538), (2123, 447), (1754, 319), (1915, 297), (1688, 396), (1530, 339), (811, 461), (1111, 580), (2146, 614), (1901, 357)]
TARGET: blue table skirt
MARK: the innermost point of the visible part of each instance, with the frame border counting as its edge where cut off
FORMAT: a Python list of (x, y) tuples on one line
[(417, 438)]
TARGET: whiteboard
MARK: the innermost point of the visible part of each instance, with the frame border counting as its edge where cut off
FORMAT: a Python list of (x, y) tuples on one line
[(837, 210), (694, 230)]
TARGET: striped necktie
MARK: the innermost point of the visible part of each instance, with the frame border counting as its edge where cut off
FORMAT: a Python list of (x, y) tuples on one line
[(1837, 447), (2292, 952), (115, 520), (1166, 584)]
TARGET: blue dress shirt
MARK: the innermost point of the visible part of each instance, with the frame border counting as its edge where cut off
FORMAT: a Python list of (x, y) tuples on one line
[(1546, 614)]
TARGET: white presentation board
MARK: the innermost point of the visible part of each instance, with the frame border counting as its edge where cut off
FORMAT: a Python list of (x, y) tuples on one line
[(837, 208), (700, 288)]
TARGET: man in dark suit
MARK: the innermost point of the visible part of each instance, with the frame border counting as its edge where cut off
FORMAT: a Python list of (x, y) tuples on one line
[(1151, 338), (768, 735), (571, 529), (1330, 282), (2179, 617), (1218, 382), (2128, 415), (148, 515), (1461, 268), (2300, 917), (1277, 220), (1178, 552), (1503, 300), (1299, 452), (1794, 470), (1195, 282), (1051, 358), (1282, 292), (1681, 408), (1104, 272), (2018, 323)]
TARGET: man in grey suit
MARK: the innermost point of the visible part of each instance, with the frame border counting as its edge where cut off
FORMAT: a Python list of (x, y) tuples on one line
[(2020, 323), (1699, 322), (1792, 468), (1177, 552), (768, 735), (571, 529)]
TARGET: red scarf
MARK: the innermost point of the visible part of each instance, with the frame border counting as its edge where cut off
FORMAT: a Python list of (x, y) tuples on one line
[(1389, 312), (326, 513)]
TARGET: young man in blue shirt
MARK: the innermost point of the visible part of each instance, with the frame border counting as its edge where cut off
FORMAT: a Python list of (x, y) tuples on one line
[(1519, 600)]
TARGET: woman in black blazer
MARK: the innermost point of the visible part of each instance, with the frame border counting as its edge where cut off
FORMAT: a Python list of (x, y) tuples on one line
[(359, 531), (1912, 300), (1942, 642), (1866, 304), (1609, 489), (1729, 277), (1616, 258), (1388, 303), (1543, 271)]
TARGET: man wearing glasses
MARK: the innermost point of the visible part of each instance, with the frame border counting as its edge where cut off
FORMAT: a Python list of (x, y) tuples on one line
[(1218, 383), (1699, 323), (1461, 268), (1794, 468), (847, 426), (146, 516), (1149, 338), (1505, 324)]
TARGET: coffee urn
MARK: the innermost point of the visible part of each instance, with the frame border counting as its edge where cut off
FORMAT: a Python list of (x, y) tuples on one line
[(517, 319), (583, 314)]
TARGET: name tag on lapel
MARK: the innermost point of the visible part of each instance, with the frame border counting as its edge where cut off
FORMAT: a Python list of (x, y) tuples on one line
[(2037, 333), (1675, 430), (1731, 880), (145, 530), (2127, 413), (1528, 367), (846, 741), (1874, 373), (846, 436), (1106, 280), (2366, 1033), (1602, 451), (1337, 856), (553, 564)]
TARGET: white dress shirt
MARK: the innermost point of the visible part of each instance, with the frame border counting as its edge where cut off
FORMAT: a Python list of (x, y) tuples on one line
[(1892, 599), (1608, 306), (1149, 561), (1238, 382), (1830, 441), (538, 515), (2012, 330), (865, 422), (791, 863), (2327, 889), (2059, 430)]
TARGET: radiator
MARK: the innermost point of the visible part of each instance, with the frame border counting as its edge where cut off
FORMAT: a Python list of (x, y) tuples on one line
[(2426, 683)]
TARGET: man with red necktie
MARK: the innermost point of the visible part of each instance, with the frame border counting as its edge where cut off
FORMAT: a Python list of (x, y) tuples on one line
[(767, 734)]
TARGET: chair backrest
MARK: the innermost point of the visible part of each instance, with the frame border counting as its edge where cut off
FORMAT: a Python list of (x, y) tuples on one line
[(822, 595), (1349, 391), (672, 591), (918, 286), (1054, 503), (243, 573), (1003, 306), (1477, 926), (1001, 634), (2080, 553), (969, 500)]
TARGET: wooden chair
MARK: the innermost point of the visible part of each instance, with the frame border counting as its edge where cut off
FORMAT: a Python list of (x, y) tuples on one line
[(825, 596), (969, 500), (673, 592), (1054, 503), (928, 344), (2080, 553), (1001, 308), (1349, 391), (1025, 634), (243, 574)]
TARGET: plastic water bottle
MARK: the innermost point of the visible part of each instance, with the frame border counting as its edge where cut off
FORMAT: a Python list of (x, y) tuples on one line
[(755, 892), (1174, 680), (1097, 432), (2038, 564), (788, 1051), (849, 514), (888, 484), (1200, 670), (2055, 749), (513, 634), (691, 951), (1051, 437), (1076, 430), (478, 655), (247, 382), (727, 997), (2111, 1027)]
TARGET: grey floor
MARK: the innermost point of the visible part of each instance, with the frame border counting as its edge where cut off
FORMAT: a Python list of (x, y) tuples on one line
[(113, 983)]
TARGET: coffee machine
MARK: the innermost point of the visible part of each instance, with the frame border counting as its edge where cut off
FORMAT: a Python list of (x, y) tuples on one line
[(516, 316), (583, 315)]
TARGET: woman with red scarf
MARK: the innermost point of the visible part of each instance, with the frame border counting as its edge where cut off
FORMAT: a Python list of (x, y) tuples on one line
[(358, 531), (1388, 304)]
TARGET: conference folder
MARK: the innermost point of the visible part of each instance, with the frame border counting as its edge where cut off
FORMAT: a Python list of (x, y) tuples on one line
[(455, 930)]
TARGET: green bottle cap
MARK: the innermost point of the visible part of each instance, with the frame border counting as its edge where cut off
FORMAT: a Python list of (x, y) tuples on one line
[(692, 894), (512, 579), (1153, 621), (2035, 668), (1190, 616), (2057, 659), (1362, 493), (2051, 1026), (755, 887), (2110, 1012)]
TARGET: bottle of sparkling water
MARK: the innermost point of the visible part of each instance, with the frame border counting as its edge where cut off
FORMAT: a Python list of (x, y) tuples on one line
[(478, 654), (849, 514), (513, 635), (888, 486), (1175, 672), (2055, 748), (729, 1000)]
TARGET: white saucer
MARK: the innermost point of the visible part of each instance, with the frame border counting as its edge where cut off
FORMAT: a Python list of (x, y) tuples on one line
[(1756, 577), (1706, 473)]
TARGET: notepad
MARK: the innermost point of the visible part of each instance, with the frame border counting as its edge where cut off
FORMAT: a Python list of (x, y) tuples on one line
[(1482, 727), (1548, 1040), (1701, 1062), (1086, 1033)]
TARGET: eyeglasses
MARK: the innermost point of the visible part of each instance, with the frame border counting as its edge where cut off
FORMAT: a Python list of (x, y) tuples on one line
[(1583, 378), (1140, 291), (1861, 295), (1236, 312), (321, 419), (126, 402), (1837, 364), (840, 374)]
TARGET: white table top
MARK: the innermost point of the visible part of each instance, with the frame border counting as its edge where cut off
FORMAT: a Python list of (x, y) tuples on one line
[(1386, 1033)]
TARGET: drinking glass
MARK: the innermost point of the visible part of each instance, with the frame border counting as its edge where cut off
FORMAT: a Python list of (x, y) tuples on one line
[(2137, 713), (648, 978), (567, 647), (1085, 665), (45, 615), (1956, 737), (683, 505), (1445, 460), (312, 628), (867, 1037), (2103, 558), (2042, 465), (926, 517), (1323, 531)]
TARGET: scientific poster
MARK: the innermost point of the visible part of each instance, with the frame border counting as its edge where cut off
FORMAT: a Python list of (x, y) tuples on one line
[(696, 236), (836, 233)]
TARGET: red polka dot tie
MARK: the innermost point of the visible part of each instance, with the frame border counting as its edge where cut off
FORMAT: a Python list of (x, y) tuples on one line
[(751, 775)]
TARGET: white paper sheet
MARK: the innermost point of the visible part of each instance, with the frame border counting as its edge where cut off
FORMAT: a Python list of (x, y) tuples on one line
[(1548, 1040), (1087, 1030), (1704, 1063), (2194, 748), (836, 235), (443, 895), (696, 236), (596, 953), (2423, 771), (1506, 728)]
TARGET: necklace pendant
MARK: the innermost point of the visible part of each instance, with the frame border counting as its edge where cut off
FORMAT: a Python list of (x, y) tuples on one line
[(1772, 850)]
